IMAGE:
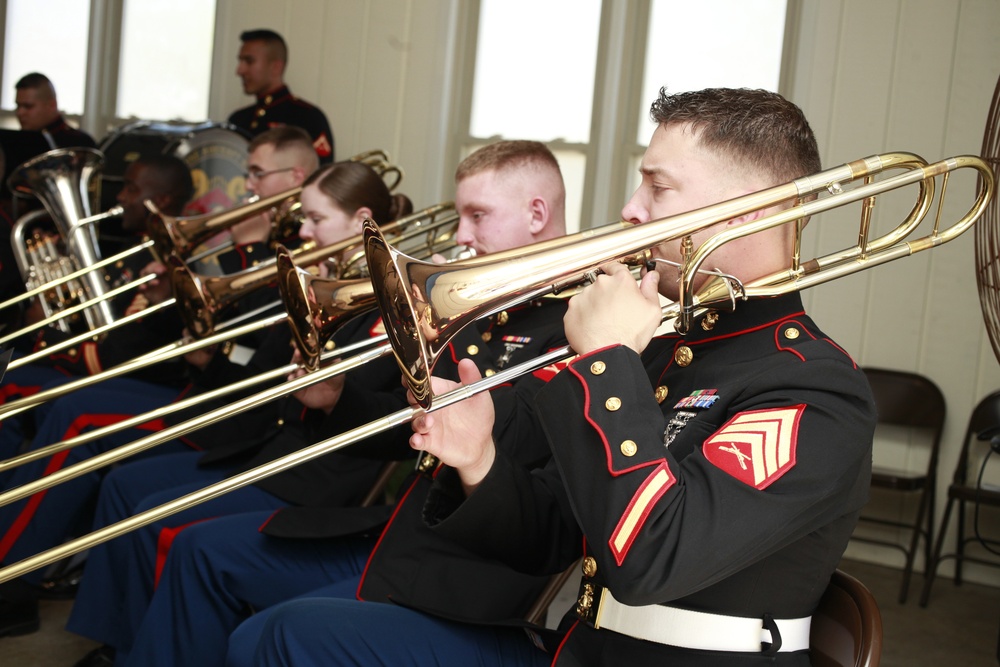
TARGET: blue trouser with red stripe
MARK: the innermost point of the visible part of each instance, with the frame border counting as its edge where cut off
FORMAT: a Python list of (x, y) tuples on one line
[(120, 575), (219, 571), (17, 384), (46, 518)]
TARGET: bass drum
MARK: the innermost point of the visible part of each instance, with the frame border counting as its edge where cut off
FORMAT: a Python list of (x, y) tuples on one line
[(216, 154)]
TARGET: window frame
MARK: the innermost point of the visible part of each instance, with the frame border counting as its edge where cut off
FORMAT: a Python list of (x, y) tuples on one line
[(611, 151)]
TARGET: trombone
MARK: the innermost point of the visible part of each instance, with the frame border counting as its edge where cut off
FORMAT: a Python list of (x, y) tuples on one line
[(168, 236), (562, 264), (176, 235), (201, 299), (315, 308)]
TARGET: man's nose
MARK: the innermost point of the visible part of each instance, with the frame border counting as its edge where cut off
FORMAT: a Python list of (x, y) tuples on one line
[(634, 212)]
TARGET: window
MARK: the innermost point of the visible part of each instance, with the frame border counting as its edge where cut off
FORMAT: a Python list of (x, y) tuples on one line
[(156, 67), (166, 57), (47, 36), (545, 70)]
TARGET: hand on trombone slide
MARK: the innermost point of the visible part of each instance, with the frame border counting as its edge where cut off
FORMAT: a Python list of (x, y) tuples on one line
[(320, 395), (157, 290), (460, 435)]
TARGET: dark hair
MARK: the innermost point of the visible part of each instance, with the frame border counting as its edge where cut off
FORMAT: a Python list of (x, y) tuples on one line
[(757, 128), (353, 185), (173, 178), (36, 81), (507, 155), (275, 43)]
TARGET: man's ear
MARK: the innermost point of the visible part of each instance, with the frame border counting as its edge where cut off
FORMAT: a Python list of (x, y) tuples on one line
[(540, 215), (748, 217)]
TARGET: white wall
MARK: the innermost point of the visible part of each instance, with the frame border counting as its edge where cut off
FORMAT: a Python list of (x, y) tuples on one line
[(918, 76), (380, 69), (903, 75)]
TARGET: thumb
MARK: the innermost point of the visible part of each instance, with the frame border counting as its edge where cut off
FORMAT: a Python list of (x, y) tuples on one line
[(468, 372), (649, 286)]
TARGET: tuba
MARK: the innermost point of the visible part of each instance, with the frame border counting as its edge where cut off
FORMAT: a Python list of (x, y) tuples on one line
[(61, 179)]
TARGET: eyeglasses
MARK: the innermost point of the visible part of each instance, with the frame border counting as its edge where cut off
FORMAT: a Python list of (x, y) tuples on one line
[(255, 174)]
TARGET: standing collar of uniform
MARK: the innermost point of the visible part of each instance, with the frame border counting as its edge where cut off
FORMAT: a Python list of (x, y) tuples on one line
[(58, 125), (747, 316), (271, 98)]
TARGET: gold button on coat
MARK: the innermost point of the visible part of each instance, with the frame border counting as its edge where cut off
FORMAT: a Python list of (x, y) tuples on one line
[(660, 394), (502, 318), (487, 336), (472, 349), (613, 403), (629, 448), (708, 323), (589, 567), (791, 333), (597, 367), (683, 355), (489, 372)]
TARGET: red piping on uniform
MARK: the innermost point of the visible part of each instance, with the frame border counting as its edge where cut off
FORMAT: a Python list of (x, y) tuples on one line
[(565, 639), (682, 341), (378, 543), (597, 428), (164, 541), (55, 463)]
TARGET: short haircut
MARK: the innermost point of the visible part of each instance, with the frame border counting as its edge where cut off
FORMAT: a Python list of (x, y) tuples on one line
[(275, 43), (758, 129), (36, 81), (292, 139), (510, 155), (173, 178)]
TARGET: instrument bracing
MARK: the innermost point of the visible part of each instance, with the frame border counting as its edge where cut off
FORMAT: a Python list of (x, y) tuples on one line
[(426, 322)]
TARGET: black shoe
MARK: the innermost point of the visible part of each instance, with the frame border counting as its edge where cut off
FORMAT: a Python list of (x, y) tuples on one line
[(102, 656), (62, 586), (18, 617)]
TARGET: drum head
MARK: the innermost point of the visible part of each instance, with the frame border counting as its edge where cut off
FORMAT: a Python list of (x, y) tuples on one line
[(217, 158), (214, 152)]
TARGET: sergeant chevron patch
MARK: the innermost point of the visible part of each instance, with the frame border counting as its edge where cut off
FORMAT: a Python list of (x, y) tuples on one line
[(756, 447)]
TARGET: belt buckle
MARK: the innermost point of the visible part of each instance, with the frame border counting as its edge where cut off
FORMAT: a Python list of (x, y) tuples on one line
[(589, 602)]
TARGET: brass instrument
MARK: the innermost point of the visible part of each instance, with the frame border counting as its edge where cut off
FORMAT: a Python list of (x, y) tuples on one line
[(202, 298), (438, 312), (168, 235), (61, 179)]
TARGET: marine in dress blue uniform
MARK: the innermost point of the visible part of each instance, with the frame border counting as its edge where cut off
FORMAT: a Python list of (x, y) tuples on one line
[(280, 107), (211, 578), (125, 570)]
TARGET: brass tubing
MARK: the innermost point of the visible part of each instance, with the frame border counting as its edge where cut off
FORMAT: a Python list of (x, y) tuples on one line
[(52, 284), (177, 349), (193, 424), (80, 307), (183, 404), (87, 335)]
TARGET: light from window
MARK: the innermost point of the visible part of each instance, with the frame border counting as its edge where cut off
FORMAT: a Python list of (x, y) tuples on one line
[(535, 66), (711, 44), (47, 36), (166, 59)]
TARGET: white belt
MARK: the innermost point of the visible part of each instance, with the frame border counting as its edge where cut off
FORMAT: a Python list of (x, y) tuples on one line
[(698, 630)]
